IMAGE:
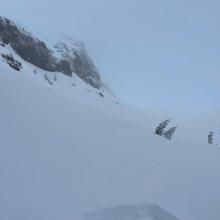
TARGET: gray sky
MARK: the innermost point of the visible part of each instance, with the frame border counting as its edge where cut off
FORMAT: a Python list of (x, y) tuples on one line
[(152, 53)]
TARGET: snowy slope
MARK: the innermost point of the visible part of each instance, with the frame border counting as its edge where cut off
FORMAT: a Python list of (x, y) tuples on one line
[(68, 153)]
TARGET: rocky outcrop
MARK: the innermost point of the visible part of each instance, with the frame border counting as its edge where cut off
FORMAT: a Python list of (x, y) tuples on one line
[(12, 62), (26, 46), (71, 60), (73, 57)]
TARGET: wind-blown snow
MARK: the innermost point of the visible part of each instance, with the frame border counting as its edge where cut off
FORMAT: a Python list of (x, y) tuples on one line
[(64, 46), (64, 148)]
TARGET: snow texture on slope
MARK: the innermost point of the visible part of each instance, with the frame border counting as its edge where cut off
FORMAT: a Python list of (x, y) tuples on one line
[(63, 147)]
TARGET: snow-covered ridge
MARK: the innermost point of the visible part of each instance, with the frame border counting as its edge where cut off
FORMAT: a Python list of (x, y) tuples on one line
[(73, 88), (64, 46), (143, 211), (74, 52)]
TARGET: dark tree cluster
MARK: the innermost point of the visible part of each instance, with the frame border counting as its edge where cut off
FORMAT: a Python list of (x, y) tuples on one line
[(210, 137), (168, 134)]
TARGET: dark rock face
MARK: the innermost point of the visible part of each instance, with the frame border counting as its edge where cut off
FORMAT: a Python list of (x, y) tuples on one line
[(77, 60), (63, 66), (85, 68), (12, 62), (101, 94), (37, 53), (27, 47)]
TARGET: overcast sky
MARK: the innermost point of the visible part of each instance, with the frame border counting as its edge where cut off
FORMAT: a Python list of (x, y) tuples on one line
[(162, 54)]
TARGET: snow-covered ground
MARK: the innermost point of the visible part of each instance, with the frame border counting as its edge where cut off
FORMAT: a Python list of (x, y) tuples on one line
[(68, 153)]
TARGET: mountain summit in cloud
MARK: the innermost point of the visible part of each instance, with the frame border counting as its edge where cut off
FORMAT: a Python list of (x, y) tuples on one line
[(67, 56)]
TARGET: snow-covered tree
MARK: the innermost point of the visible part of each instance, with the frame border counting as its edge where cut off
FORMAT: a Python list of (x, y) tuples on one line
[(169, 133), (160, 129), (210, 137)]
